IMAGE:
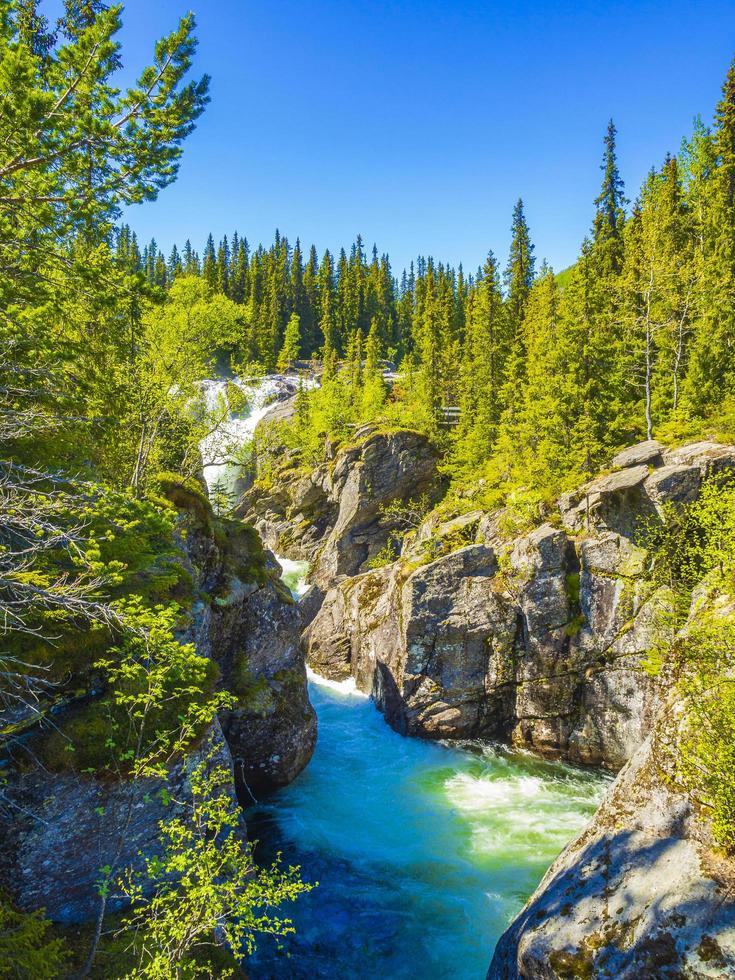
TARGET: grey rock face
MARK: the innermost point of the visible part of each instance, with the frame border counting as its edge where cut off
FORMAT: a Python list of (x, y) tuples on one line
[(253, 632), (544, 653), (67, 827), (649, 452), (616, 502), (640, 894), (540, 642), (625, 501), (332, 517), (677, 483), (710, 458)]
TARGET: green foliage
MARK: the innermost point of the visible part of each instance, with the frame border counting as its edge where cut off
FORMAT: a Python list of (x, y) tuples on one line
[(291, 343), (705, 756), (697, 541), (386, 556), (28, 949), (693, 556), (206, 887), (160, 700)]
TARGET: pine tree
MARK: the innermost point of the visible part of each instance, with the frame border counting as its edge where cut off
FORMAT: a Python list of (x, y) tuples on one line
[(655, 290), (427, 345), (327, 304), (297, 296), (175, 266), (291, 343), (33, 28), (487, 347), (209, 265), (520, 269), (190, 260), (373, 386), (239, 269), (710, 376), (223, 267), (609, 221), (310, 316)]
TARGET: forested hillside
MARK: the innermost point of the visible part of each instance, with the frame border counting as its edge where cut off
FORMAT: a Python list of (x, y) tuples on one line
[(550, 373)]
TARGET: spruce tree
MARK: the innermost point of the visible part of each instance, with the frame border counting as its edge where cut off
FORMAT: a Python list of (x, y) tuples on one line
[(711, 371), (291, 348), (327, 305), (209, 265), (520, 269), (223, 267), (310, 317), (609, 221), (487, 347)]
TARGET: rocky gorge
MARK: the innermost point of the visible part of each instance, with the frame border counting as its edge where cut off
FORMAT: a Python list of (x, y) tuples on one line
[(539, 640), (465, 631)]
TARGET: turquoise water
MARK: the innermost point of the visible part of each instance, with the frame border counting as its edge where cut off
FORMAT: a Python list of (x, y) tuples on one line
[(423, 852)]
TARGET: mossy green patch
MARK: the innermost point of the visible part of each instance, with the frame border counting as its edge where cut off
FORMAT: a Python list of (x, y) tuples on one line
[(101, 736)]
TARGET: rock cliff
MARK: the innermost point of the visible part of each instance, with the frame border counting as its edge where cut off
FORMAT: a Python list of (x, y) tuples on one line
[(537, 640), (333, 515), (62, 824), (643, 892)]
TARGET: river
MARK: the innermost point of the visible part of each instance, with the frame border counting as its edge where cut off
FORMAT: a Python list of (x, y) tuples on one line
[(423, 852)]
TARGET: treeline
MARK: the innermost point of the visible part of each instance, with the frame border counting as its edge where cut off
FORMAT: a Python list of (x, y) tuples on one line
[(332, 297), (553, 372), (550, 372)]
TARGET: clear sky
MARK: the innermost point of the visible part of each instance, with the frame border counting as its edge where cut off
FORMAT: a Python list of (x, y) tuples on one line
[(418, 123)]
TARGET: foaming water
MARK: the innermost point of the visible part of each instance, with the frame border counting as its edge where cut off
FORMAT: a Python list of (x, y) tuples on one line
[(294, 575), (222, 449), (423, 851)]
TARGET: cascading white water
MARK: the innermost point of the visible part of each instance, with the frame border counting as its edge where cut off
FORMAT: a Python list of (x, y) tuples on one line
[(222, 449), (294, 575)]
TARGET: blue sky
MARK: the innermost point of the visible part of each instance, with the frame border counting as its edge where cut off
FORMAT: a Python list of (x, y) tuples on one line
[(418, 124)]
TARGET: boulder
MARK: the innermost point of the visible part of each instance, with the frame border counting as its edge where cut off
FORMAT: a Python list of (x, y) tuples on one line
[(615, 502), (641, 893), (677, 483), (644, 453), (711, 458)]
